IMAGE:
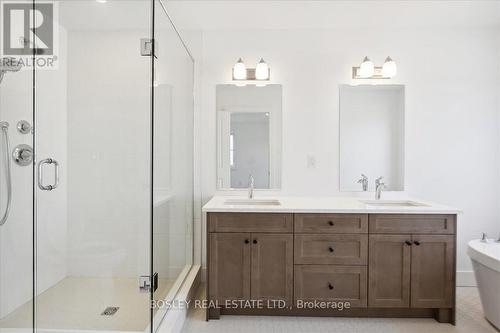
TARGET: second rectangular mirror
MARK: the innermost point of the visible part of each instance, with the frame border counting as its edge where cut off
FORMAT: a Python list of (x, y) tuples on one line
[(371, 136), (248, 136)]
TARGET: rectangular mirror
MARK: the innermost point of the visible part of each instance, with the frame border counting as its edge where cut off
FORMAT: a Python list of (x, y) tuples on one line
[(371, 136), (248, 136)]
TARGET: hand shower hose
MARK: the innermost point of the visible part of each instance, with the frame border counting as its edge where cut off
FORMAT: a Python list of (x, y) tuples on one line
[(8, 176)]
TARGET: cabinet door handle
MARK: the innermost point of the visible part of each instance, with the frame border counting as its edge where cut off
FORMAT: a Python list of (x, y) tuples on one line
[(417, 243), (330, 286), (331, 223), (255, 241), (247, 241), (408, 242), (331, 249)]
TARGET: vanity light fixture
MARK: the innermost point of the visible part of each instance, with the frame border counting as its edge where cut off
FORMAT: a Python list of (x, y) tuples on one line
[(260, 75), (262, 70), (239, 70), (367, 70), (389, 69), (101, 1)]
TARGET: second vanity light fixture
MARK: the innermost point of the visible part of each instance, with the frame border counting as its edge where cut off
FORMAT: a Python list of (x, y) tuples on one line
[(261, 73), (367, 70)]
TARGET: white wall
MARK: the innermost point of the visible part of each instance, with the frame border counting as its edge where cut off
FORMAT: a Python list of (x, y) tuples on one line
[(109, 154), (109, 143), (173, 238), (51, 135), (16, 235), (451, 107)]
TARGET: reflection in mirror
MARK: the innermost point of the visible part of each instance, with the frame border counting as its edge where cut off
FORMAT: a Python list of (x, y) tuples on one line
[(248, 136), (371, 136)]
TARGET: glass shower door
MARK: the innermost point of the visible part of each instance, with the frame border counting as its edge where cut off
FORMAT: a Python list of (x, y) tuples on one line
[(93, 170), (172, 160), (16, 193), (112, 149)]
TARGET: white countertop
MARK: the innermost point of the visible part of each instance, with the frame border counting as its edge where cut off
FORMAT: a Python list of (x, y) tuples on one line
[(324, 205)]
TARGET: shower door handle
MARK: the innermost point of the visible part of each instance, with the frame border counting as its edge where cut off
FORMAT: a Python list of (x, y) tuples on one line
[(40, 174)]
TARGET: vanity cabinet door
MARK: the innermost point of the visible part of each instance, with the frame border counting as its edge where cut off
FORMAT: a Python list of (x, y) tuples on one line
[(229, 266), (432, 267), (389, 271), (272, 267)]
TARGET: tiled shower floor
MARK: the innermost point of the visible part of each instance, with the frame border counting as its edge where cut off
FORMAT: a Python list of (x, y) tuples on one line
[(469, 320), (77, 304)]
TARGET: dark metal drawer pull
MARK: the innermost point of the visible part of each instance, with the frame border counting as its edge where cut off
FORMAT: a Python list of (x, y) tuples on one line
[(331, 249), (255, 241), (330, 286), (408, 242), (417, 243), (331, 223), (247, 241)]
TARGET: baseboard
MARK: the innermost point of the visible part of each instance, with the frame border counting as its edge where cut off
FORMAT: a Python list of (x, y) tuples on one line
[(466, 279), (175, 317)]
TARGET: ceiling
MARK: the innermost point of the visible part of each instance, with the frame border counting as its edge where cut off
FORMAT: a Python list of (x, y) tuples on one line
[(334, 14), (284, 14)]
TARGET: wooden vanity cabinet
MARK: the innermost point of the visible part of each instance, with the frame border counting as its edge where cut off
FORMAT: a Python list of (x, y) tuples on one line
[(255, 265), (246, 266), (412, 263), (272, 267), (385, 265), (432, 271), (229, 266), (389, 267)]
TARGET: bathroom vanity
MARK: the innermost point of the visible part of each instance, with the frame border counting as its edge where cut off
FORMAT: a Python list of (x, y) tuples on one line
[(331, 257)]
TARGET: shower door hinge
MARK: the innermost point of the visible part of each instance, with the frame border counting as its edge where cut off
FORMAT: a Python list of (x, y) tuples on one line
[(147, 47), (146, 284)]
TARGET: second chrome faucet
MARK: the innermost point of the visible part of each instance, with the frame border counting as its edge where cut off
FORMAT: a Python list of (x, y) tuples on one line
[(250, 187), (379, 186), (364, 182)]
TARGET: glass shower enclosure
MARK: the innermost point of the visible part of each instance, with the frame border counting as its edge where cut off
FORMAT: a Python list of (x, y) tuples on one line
[(96, 165)]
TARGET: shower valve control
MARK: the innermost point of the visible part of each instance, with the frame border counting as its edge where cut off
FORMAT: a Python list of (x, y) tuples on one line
[(24, 127), (23, 155)]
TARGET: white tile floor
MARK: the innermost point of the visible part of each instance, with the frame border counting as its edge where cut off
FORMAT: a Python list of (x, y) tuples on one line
[(469, 320)]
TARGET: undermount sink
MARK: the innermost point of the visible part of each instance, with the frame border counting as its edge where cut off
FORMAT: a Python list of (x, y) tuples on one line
[(252, 202), (392, 203)]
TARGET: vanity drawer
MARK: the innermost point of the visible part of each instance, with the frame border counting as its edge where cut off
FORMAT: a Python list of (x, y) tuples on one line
[(331, 283), (409, 224), (250, 222), (331, 223), (343, 249)]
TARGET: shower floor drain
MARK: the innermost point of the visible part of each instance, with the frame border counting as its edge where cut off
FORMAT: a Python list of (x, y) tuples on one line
[(109, 311)]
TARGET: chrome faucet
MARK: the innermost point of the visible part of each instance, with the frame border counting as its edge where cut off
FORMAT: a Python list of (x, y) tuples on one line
[(498, 239), (250, 187), (484, 238), (364, 182), (379, 186)]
